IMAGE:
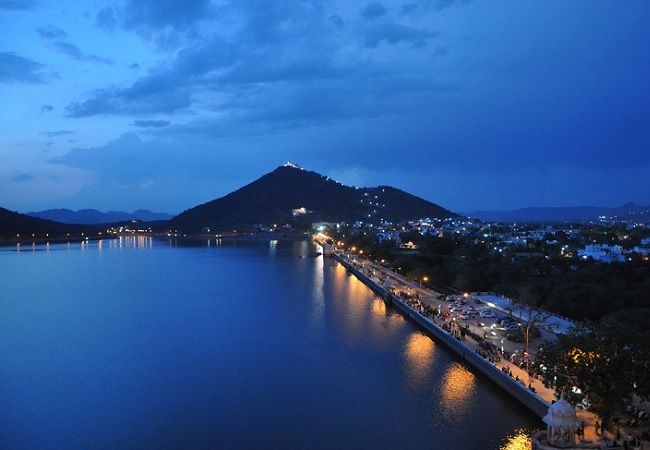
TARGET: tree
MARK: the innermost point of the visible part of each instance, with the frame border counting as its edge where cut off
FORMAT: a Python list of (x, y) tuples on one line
[(603, 364), (526, 307)]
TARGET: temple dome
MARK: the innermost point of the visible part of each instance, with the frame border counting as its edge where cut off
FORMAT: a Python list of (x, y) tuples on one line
[(561, 415)]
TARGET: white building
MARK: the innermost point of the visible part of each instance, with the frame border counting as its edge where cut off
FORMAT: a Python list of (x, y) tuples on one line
[(603, 253), (389, 235)]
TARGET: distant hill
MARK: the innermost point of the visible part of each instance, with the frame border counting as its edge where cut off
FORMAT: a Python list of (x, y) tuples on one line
[(12, 223), (274, 197), (627, 212), (94, 217)]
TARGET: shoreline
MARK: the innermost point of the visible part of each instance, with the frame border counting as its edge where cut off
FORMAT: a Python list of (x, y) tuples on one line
[(261, 237), (520, 393)]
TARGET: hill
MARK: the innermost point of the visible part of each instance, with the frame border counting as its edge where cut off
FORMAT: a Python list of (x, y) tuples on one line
[(13, 223), (629, 211), (291, 193), (95, 217)]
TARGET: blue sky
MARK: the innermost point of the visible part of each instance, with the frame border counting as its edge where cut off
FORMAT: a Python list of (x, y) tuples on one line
[(471, 104)]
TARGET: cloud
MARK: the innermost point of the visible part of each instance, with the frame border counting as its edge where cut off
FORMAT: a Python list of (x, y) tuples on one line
[(157, 14), (56, 133), (336, 20), (409, 7), (55, 36), (151, 94), (50, 32), (134, 66), (73, 51), (18, 69), (169, 24), (22, 177), (282, 64), (107, 18), (373, 10), (393, 33), (17, 5), (151, 123), (144, 161), (47, 108)]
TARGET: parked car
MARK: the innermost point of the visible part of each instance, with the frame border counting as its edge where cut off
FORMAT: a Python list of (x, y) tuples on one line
[(487, 314)]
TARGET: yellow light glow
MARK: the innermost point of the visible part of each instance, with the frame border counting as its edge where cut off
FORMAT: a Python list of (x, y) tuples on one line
[(458, 386), (518, 441), (419, 353)]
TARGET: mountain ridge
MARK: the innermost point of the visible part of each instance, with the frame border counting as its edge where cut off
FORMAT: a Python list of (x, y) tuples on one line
[(96, 217), (13, 223), (550, 214)]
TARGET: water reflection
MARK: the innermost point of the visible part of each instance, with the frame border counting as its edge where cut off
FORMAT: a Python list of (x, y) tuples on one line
[(379, 307), (457, 388), (520, 440), (364, 318), (419, 352), (316, 314)]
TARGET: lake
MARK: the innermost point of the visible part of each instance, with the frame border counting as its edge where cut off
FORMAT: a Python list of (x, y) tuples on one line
[(144, 343)]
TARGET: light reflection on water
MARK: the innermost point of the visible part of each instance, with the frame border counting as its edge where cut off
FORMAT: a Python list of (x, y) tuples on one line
[(316, 315), (519, 440), (419, 355), (457, 389)]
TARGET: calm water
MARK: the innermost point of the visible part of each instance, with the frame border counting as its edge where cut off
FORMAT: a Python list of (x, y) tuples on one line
[(147, 344)]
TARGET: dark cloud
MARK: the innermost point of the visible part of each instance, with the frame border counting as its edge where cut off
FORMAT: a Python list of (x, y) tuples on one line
[(393, 33), (74, 52), (283, 68), (151, 123), (148, 95), (22, 177), (56, 133), (409, 7), (168, 23), (134, 66), (17, 5), (18, 69), (47, 108), (373, 10), (55, 36), (51, 32), (336, 20), (107, 18)]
